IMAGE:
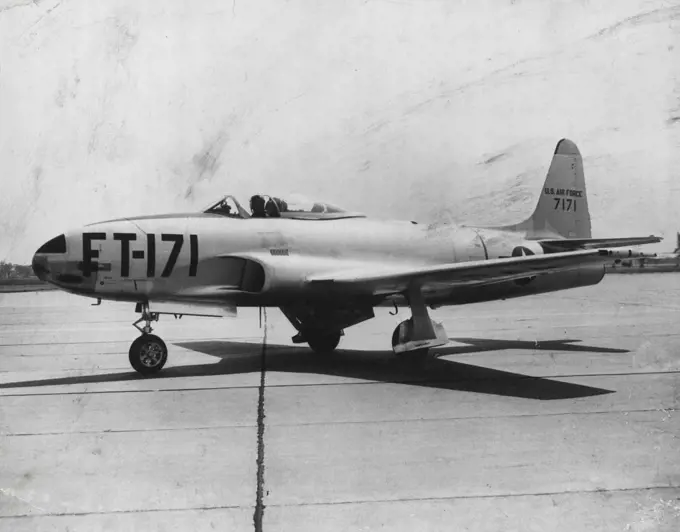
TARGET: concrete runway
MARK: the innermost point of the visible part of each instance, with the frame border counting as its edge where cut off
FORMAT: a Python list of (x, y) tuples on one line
[(555, 412)]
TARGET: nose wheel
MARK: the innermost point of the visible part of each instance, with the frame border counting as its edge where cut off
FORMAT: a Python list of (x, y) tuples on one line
[(148, 353)]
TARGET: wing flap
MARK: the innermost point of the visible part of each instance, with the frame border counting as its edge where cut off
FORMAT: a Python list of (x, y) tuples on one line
[(223, 310)]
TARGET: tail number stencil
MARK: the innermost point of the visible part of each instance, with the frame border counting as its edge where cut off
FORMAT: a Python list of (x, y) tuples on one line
[(565, 204), (126, 239)]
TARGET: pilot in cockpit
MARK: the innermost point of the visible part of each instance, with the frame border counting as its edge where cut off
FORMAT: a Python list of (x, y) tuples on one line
[(272, 208), (224, 209), (257, 207)]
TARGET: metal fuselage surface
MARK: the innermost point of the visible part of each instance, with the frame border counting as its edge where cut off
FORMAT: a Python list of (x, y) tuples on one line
[(206, 258)]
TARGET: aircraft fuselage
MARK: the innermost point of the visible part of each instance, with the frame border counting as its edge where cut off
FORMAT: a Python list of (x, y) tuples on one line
[(207, 258)]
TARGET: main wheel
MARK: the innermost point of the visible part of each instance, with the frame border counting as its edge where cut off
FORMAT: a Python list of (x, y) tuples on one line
[(397, 335), (323, 342), (148, 354), (403, 332)]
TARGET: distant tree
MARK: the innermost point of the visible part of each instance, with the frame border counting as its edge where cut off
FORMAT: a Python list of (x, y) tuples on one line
[(23, 271), (6, 269), (15, 271)]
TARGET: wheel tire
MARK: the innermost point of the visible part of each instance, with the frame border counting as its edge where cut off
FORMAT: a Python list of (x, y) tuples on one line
[(323, 343), (395, 336), (148, 354), (410, 355)]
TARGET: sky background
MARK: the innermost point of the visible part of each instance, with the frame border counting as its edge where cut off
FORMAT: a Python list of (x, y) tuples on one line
[(429, 110)]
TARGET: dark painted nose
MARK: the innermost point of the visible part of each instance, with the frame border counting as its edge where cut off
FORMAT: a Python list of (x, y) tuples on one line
[(41, 259), (40, 267)]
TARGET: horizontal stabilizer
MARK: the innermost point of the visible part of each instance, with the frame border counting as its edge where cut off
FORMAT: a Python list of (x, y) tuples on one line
[(569, 244)]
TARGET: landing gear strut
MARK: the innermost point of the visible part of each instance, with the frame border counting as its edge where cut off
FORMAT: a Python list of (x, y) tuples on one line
[(148, 353), (417, 334)]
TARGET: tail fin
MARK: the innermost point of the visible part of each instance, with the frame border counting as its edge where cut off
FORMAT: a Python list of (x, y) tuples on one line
[(562, 209)]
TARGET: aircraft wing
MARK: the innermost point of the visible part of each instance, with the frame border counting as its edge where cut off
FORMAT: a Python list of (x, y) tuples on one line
[(566, 244), (391, 280)]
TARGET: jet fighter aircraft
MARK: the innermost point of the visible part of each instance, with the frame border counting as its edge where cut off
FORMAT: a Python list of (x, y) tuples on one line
[(328, 269)]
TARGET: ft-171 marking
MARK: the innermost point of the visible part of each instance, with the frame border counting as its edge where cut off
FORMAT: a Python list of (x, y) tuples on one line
[(88, 265)]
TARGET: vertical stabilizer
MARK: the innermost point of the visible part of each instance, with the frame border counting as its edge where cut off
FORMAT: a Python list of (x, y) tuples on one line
[(562, 209)]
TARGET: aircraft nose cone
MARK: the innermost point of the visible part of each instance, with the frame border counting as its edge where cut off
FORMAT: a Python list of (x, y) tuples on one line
[(41, 259)]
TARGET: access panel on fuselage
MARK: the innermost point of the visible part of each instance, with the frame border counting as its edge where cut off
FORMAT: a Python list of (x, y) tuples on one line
[(468, 246)]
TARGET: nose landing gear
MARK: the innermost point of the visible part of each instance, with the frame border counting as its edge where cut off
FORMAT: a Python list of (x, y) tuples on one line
[(148, 353)]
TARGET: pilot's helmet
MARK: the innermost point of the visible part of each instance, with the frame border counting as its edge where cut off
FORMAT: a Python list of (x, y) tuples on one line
[(256, 203), (281, 204)]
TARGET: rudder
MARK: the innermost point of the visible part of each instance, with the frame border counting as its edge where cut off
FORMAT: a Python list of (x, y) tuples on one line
[(562, 209)]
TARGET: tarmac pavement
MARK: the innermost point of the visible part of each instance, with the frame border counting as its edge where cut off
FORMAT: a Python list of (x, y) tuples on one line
[(555, 412)]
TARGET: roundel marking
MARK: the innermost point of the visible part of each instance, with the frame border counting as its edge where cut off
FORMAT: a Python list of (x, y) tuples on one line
[(521, 251)]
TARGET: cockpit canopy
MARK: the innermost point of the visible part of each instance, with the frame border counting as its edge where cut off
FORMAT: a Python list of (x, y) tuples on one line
[(294, 206)]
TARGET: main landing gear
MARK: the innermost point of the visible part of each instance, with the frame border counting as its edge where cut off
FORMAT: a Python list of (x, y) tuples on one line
[(322, 342), (148, 353), (322, 326), (415, 336)]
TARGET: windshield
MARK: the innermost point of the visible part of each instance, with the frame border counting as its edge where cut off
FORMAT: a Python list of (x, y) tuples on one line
[(227, 206)]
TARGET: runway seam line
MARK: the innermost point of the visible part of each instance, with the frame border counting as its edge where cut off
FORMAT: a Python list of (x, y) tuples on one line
[(464, 497), (232, 338), (4, 386), (125, 342), (340, 503), (117, 512), (347, 422), (94, 392)]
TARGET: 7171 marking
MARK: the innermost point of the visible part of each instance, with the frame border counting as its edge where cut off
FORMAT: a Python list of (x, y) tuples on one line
[(565, 204)]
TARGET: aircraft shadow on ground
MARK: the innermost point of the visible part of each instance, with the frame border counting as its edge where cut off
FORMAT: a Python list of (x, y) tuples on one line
[(380, 366)]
